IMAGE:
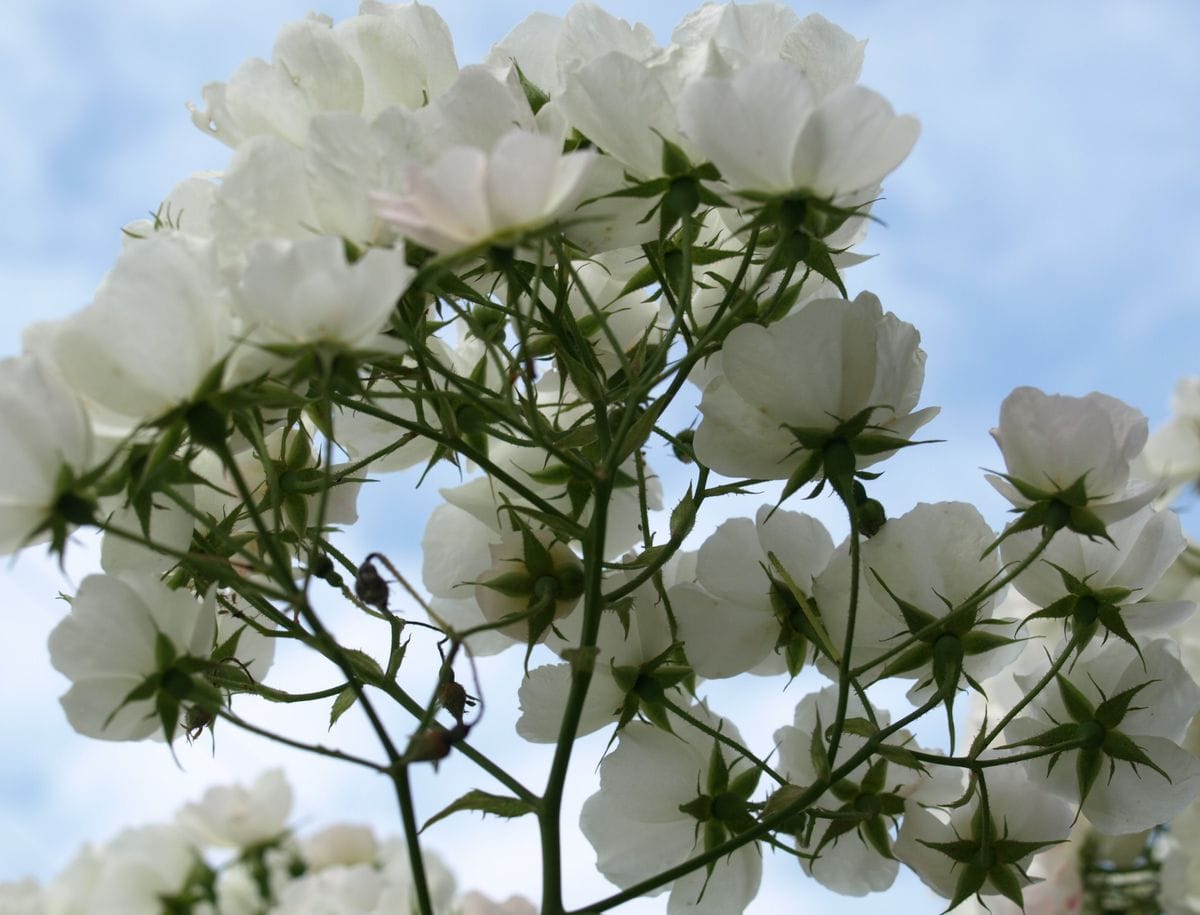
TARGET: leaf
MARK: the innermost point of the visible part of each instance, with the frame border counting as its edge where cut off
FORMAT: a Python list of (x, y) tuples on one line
[(363, 664), (900, 756), (497, 804), (345, 699)]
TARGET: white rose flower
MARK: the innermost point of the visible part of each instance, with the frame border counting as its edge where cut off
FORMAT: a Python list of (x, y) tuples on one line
[(638, 825), (390, 54), (855, 861), (1053, 444), (624, 660), (1021, 812), (768, 132), (1172, 453), (26, 897), (469, 198), (740, 615), (1139, 774), (625, 107), (136, 870), (344, 844), (237, 891), (305, 292), (237, 817), (48, 440), (158, 325), (814, 370), (106, 647)]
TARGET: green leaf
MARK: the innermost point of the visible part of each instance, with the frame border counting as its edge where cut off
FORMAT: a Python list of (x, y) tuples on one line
[(496, 804), (900, 756), (345, 699), (363, 664)]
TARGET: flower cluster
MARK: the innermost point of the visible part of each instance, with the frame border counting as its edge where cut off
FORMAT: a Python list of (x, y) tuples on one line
[(520, 272), (234, 853)]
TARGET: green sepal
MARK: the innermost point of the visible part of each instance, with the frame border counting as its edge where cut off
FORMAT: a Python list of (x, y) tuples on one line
[(1004, 879), (976, 642), (510, 584), (876, 778), (1088, 764), (912, 658), (717, 781), (746, 783), (875, 831), (1118, 746), (914, 617), (818, 752), (1078, 706)]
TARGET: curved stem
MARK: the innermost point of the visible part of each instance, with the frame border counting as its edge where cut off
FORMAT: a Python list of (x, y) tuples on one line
[(315, 748), (723, 738), (581, 678), (1030, 694)]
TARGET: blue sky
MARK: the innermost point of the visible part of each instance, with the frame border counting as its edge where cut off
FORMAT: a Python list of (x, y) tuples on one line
[(1045, 231)]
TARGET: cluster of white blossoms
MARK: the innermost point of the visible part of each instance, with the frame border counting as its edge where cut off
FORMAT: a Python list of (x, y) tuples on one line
[(521, 271), (234, 852)]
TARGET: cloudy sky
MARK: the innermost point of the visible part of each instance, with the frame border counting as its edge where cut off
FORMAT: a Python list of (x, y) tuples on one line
[(1043, 232)]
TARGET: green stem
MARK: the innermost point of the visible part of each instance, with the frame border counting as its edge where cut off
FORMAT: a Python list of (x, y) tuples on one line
[(723, 738), (581, 678), (415, 860), (414, 708)]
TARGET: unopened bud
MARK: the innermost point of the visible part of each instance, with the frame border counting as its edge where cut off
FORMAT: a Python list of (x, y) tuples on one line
[(370, 587)]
